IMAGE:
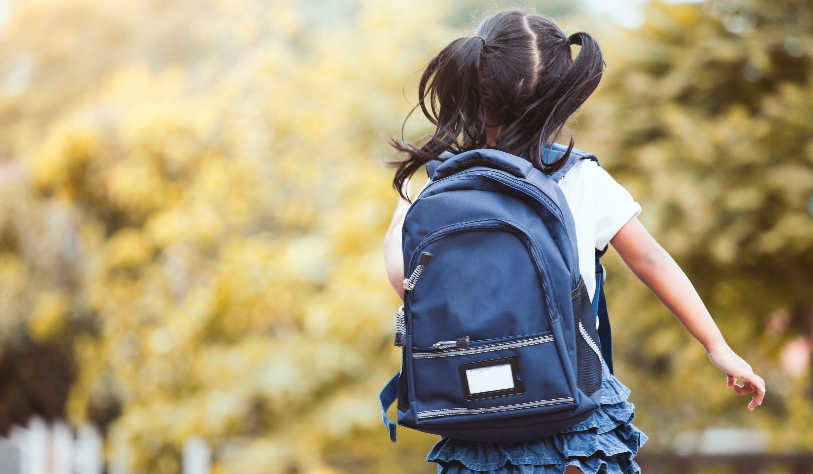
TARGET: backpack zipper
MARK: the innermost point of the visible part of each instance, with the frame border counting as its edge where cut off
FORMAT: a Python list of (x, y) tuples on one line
[(481, 347), (409, 283), (533, 190), (400, 327), (459, 342), (509, 180)]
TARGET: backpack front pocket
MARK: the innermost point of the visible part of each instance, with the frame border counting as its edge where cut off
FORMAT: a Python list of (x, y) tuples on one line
[(486, 279), (494, 377)]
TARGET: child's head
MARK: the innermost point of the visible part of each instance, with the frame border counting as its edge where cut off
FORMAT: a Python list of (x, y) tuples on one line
[(517, 74)]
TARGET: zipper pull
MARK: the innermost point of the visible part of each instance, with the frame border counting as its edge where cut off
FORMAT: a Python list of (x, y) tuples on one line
[(409, 283), (460, 342), (400, 327)]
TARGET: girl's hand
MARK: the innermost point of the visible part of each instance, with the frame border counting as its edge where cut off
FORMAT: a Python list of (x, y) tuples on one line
[(737, 369)]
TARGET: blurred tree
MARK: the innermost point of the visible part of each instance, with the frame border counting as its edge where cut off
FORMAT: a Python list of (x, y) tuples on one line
[(222, 214), (37, 276), (53, 54), (704, 115), (191, 211)]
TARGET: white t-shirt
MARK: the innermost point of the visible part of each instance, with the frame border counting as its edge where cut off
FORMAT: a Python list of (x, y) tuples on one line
[(600, 208)]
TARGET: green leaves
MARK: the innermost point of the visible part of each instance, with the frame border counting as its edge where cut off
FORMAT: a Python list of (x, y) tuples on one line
[(703, 116)]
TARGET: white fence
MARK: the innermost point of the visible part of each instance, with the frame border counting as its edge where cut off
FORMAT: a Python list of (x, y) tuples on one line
[(43, 448)]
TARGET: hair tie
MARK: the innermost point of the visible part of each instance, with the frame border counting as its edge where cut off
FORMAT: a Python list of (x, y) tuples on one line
[(575, 38), (483, 39)]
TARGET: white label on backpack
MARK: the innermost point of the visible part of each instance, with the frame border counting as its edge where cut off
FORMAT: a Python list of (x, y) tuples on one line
[(490, 379)]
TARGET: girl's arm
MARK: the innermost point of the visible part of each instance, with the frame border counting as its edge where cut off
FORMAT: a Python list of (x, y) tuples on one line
[(656, 268), (393, 255)]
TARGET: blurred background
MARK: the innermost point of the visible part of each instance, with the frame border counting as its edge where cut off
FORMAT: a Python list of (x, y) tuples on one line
[(193, 202)]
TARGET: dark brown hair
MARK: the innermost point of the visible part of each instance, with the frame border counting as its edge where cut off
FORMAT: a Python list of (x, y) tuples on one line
[(517, 72)]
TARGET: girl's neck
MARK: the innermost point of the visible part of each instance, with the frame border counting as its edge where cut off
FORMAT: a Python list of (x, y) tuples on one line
[(492, 135)]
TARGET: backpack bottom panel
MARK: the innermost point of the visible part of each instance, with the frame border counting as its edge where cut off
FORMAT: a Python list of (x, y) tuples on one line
[(526, 428)]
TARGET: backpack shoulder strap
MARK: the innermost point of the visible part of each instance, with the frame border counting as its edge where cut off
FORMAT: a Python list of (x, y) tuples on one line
[(600, 304), (385, 399), (431, 166), (557, 150), (605, 336), (599, 299)]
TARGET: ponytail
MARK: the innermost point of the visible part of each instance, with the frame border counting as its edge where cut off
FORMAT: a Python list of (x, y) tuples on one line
[(518, 71), (451, 83), (582, 79), (560, 92)]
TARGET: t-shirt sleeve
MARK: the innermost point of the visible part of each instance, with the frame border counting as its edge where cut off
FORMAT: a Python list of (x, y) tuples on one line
[(614, 207)]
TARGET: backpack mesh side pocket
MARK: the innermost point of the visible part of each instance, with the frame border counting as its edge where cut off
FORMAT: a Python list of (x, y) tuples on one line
[(587, 349)]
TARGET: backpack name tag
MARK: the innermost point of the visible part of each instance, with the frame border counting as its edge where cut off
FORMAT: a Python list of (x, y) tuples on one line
[(491, 379)]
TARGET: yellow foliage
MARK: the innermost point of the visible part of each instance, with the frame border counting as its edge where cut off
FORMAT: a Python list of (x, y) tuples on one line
[(61, 162), (209, 197), (47, 318), (228, 211), (137, 184), (127, 248)]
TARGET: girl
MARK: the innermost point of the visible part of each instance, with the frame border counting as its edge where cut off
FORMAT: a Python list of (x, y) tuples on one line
[(512, 87)]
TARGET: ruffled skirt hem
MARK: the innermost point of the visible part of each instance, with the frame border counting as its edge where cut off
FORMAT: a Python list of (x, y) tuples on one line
[(606, 442)]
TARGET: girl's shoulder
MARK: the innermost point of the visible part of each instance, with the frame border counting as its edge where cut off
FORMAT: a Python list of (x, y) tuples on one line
[(598, 201), (587, 175)]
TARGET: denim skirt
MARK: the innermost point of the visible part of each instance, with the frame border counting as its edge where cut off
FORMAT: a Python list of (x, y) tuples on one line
[(606, 443)]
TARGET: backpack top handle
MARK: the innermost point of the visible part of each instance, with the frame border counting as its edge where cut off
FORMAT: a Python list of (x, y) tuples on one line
[(487, 157), (496, 159)]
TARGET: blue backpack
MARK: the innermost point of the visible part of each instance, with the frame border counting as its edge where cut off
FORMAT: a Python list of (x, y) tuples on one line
[(498, 334)]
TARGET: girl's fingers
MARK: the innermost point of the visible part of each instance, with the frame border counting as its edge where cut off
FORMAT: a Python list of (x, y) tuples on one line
[(756, 400), (743, 389), (760, 393), (737, 369), (754, 384)]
